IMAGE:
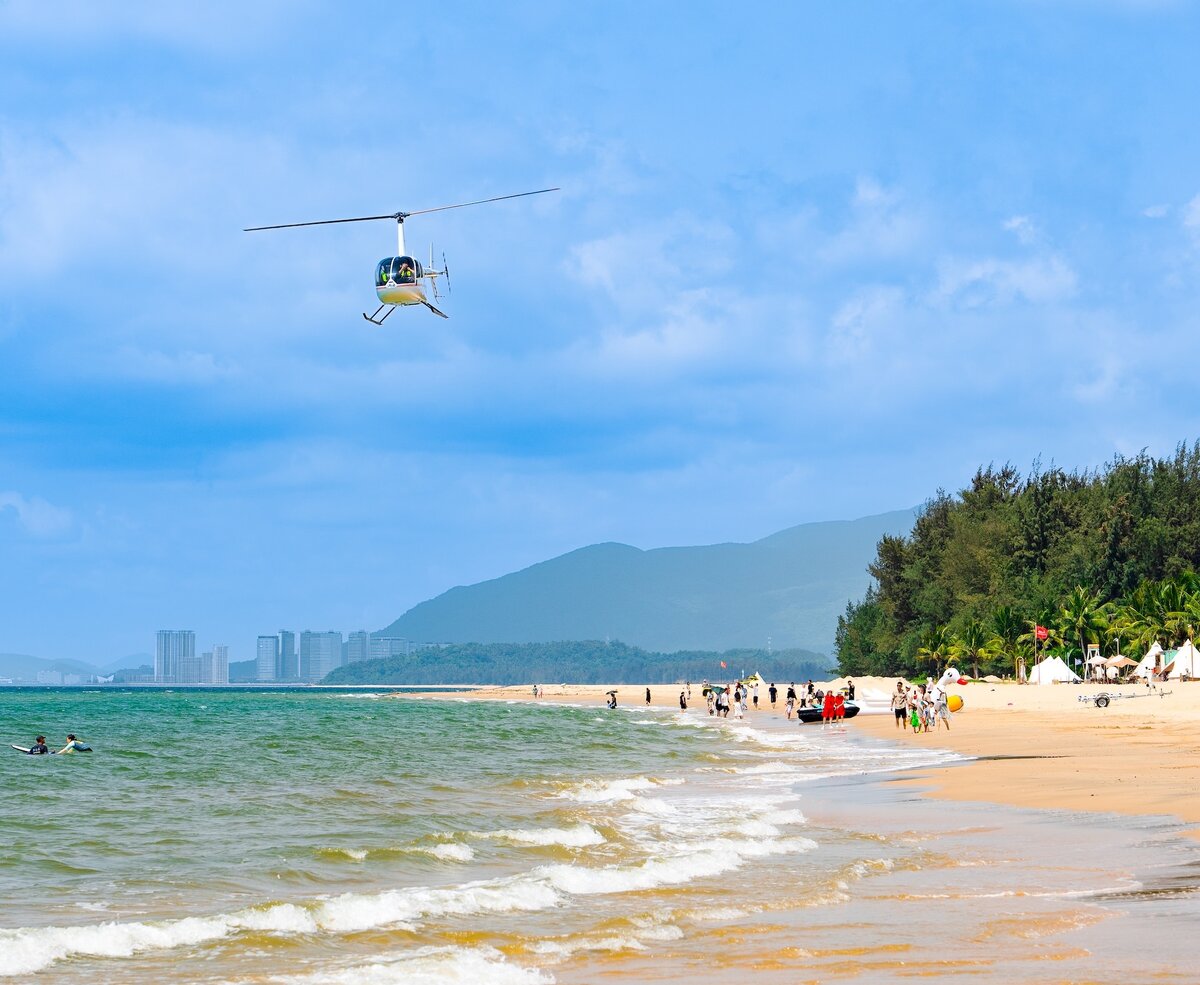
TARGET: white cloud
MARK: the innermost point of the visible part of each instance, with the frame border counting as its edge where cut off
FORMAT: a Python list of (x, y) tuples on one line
[(1155, 211), (1023, 228), (36, 516), (1191, 216), (880, 226), (859, 323), (975, 283)]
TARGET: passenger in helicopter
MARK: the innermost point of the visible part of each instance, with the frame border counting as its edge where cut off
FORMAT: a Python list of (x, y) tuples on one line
[(406, 275)]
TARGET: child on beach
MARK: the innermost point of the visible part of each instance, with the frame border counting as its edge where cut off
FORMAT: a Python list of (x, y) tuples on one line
[(790, 707)]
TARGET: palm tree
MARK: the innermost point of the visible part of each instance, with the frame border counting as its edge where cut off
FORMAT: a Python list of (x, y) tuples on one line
[(1082, 615), (1006, 628), (972, 643), (934, 646)]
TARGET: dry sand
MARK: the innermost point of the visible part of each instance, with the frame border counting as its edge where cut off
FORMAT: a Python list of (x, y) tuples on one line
[(1037, 745)]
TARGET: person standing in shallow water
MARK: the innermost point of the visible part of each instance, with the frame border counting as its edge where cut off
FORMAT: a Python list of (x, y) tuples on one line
[(683, 700), (647, 695)]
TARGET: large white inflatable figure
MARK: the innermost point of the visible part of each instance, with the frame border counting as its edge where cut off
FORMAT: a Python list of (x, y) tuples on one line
[(951, 676)]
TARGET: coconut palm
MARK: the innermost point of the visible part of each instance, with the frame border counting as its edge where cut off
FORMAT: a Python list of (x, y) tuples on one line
[(1082, 615), (934, 646), (972, 643)]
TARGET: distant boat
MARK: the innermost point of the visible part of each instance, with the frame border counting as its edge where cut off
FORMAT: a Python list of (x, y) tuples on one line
[(810, 715)]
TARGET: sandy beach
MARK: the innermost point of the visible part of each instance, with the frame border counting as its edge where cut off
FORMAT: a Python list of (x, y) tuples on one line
[(1034, 745)]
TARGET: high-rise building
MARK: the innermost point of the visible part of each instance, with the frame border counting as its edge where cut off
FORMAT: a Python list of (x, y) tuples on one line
[(358, 647), (289, 663), (319, 654), (389, 646), (174, 656), (220, 664), (267, 658)]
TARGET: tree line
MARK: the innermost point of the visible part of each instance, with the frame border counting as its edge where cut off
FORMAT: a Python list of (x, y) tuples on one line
[(576, 662), (1106, 557)]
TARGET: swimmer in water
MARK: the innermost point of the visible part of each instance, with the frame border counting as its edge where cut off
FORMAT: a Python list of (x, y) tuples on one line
[(39, 747), (73, 745)]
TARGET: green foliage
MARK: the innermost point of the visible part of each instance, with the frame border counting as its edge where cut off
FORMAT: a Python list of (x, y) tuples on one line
[(584, 662), (1097, 558)]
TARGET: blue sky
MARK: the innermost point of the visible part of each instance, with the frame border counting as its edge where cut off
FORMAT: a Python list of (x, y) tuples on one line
[(810, 261)]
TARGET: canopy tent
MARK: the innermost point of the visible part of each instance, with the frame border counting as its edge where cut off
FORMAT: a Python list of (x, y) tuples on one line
[(1185, 662), (1096, 661), (1120, 661), (1145, 666), (1052, 670)]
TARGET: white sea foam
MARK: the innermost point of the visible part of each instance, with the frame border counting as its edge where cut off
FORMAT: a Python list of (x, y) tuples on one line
[(428, 966), (608, 791), (451, 851), (578, 836)]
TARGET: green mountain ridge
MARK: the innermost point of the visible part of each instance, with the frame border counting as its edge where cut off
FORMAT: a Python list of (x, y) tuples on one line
[(790, 587)]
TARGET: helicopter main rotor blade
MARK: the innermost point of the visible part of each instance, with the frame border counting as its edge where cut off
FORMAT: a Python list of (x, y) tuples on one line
[(322, 222), (482, 201), (399, 216)]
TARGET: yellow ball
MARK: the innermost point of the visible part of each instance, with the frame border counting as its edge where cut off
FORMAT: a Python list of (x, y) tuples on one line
[(954, 702)]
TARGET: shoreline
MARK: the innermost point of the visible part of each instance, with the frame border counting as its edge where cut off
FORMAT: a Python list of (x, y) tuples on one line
[(1030, 746)]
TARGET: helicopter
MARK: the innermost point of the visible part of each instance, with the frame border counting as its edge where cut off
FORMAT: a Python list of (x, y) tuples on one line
[(398, 279)]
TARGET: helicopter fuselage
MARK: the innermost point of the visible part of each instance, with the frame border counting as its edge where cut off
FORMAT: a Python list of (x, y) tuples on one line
[(398, 281)]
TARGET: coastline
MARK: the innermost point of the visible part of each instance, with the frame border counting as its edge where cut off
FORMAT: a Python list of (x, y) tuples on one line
[(1029, 746)]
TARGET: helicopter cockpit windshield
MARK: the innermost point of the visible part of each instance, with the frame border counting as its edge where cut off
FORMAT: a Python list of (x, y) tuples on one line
[(398, 270)]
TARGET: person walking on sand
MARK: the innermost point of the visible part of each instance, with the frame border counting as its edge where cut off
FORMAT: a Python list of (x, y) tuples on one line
[(900, 706), (789, 708), (755, 693), (647, 695), (910, 707), (941, 710), (791, 692), (827, 709), (849, 689), (772, 693)]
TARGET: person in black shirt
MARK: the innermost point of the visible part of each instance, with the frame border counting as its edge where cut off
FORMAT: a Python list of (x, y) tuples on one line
[(773, 691), (39, 748), (850, 689)]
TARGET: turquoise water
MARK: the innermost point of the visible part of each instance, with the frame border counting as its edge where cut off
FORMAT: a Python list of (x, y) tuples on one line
[(316, 837)]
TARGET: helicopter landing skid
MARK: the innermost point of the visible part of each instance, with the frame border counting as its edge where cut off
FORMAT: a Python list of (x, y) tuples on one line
[(440, 314), (375, 319)]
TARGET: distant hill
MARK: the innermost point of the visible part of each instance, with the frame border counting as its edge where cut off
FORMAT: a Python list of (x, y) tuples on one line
[(23, 667), (790, 586), (583, 662)]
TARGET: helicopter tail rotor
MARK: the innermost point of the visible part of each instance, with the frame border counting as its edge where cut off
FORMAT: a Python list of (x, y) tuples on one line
[(432, 273)]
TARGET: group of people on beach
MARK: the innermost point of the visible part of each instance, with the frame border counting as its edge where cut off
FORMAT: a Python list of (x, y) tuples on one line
[(920, 707)]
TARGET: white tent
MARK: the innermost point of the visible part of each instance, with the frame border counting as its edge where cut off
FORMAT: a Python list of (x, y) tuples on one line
[(1186, 662), (1145, 666), (1052, 670)]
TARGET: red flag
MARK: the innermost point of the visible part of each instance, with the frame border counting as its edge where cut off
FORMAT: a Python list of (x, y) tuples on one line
[(1042, 633), (722, 664)]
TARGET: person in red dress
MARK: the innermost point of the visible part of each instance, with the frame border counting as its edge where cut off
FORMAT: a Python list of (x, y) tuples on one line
[(827, 709), (839, 707)]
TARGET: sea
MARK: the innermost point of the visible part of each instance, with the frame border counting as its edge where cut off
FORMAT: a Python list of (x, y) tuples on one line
[(318, 837)]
